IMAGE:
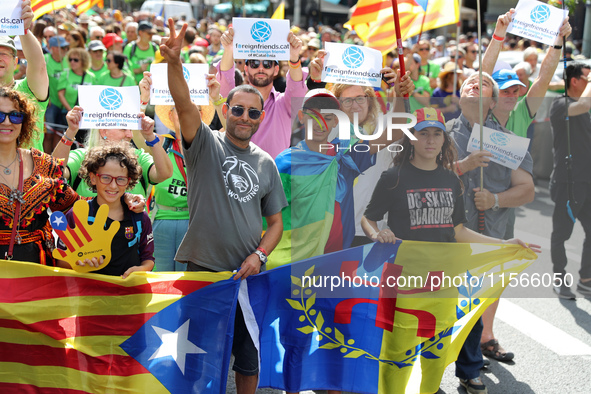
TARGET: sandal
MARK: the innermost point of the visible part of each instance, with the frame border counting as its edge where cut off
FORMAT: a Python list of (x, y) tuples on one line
[(496, 352)]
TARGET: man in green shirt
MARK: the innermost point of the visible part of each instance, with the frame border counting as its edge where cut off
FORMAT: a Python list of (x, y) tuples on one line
[(141, 53), (421, 96), (97, 50), (36, 84), (56, 64)]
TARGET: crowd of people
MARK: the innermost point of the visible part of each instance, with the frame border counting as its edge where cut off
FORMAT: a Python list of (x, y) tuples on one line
[(259, 177)]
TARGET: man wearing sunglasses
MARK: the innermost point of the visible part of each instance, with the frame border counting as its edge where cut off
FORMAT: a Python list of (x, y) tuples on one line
[(274, 134), (232, 185), (36, 84)]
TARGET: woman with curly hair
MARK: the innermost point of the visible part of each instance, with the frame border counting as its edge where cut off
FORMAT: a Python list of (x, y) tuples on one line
[(109, 170), (31, 182)]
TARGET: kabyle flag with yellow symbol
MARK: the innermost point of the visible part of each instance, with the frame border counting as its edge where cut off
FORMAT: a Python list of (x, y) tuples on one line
[(356, 320), (68, 332), (373, 20)]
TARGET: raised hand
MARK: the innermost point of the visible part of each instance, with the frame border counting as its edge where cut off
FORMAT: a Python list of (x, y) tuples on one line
[(503, 23), (145, 85), (27, 14), (73, 117), (88, 245), (171, 49)]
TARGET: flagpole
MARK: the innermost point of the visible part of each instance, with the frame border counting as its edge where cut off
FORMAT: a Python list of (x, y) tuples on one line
[(480, 109), (458, 25), (400, 49)]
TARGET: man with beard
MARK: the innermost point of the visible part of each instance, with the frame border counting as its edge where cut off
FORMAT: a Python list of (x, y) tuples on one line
[(232, 185), (274, 133), (503, 188)]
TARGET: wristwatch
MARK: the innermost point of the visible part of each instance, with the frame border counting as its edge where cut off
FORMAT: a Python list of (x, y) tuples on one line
[(262, 257), (495, 207)]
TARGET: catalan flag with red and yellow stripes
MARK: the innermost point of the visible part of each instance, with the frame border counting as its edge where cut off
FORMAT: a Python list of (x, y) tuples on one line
[(373, 20), (66, 332), (42, 7), (84, 5)]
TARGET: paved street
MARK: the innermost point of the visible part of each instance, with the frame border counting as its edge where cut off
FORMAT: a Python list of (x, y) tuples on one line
[(551, 338)]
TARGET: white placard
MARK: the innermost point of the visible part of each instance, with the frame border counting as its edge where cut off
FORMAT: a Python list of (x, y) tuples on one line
[(352, 64), (106, 107), (194, 74), (261, 38), (11, 23), (537, 21), (508, 150)]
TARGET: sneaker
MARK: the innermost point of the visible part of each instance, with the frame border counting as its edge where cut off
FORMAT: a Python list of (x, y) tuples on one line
[(584, 288), (474, 386), (563, 291), (485, 362)]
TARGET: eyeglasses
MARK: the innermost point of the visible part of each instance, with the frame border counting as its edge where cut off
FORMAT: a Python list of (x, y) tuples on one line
[(347, 102), (15, 117), (257, 63), (453, 57), (107, 179), (238, 111), (423, 49), (239, 62), (71, 59), (5, 54)]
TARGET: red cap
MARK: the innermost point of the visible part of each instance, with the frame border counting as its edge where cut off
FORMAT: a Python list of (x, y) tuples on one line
[(110, 39)]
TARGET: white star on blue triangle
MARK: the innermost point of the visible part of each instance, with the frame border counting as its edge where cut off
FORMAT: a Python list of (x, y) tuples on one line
[(176, 345)]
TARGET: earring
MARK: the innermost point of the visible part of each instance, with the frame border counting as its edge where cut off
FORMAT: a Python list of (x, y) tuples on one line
[(105, 137), (412, 153), (441, 156)]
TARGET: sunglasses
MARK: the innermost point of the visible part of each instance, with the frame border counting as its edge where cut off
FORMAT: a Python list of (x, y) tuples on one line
[(257, 63), (423, 49), (73, 60), (238, 111), (107, 179), (453, 57), (108, 60), (14, 117)]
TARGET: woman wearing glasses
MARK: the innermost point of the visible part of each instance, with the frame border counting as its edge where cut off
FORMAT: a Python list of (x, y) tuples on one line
[(155, 168), (110, 170), (115, 76), (30, 183), (77, 74)]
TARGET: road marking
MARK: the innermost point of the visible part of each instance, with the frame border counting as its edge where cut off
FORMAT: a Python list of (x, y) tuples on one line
[(541, 331)]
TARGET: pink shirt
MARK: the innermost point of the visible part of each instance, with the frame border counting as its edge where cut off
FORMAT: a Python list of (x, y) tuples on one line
[(274, 133)]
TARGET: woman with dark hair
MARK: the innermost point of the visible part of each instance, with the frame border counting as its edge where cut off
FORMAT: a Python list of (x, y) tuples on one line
[(446, 97), (76, 40), (31, 182), (115, 76)]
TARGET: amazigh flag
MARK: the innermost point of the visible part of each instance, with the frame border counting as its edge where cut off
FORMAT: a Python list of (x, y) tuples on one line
[(89, 333), (84, 5), (316, 188), (373, 20), (41, 7), (389, 326)]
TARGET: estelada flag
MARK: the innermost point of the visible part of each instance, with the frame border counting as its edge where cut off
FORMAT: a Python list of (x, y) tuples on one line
[(64, 332), (379, 318), (41, 7), (373, 20), (84, 5)]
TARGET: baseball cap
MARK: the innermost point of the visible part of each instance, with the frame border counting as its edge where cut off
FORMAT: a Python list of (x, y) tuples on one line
[(111, 38), (315, 43), (96, 45), (57, 41), (146, 26), (429, 117), (8, 42), (320, 98), (506, 79)]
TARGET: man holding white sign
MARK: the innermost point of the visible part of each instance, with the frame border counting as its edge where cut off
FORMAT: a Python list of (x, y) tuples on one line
[(36, 84), (503, 188), (537, 21), (274, 134)]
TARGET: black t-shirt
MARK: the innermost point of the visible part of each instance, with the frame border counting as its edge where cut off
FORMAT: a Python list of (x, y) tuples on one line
[(580, 142), (421, 205)]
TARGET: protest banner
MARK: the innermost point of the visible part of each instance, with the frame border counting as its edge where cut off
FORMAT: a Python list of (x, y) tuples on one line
[(261, 38), (352, 64), (194, 75), (508, 150), (11, 23), (537, 21), (104, 107)]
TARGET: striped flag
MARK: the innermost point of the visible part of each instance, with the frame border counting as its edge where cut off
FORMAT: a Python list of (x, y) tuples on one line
[(65, 332), (279, 12), (84, 5), (42, 7), (373, 20)]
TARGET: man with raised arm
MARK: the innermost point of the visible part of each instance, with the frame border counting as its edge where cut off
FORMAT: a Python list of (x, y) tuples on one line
[(232, 184), (274, 135), (36, 84)]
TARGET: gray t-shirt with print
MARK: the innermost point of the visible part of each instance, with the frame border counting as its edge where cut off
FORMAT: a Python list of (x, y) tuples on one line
[(229, 191)]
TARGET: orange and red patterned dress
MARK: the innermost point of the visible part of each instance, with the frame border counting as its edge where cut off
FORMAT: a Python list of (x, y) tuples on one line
[(45, 189)]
